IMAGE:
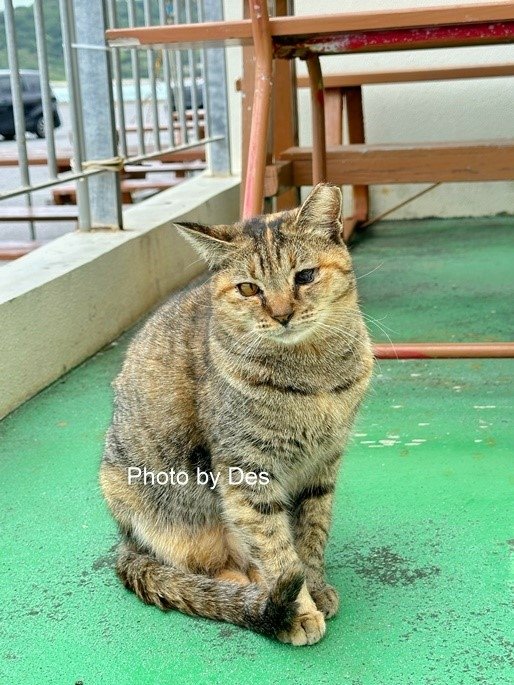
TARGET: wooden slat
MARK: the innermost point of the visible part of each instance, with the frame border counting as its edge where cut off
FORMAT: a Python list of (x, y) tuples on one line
[(67, 194), (409, 163), (334, 116), (10, 250), (411, 75), (278, 177), (195, 165), (36, 158), (39, 213), (39, 158), (240, 32), (42, 213)]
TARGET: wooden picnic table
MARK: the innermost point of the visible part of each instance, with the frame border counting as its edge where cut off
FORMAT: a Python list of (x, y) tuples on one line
[(307, 37), (345, 32), (38, 158)]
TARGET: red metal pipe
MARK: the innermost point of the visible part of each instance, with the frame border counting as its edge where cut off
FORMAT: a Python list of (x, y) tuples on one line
[(263, 88), (319, 149), (420, 37), (440, 350)]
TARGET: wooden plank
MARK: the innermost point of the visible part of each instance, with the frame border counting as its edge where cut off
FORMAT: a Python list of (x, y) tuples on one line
[(277, 178), (67, 194), (409, 163), (147, 128), (333, 116), (48, 213), (367, 78), (42, 213), (240, 32), (195, 165), (13, 250), (39, 158), (36, 158), (350, 223)]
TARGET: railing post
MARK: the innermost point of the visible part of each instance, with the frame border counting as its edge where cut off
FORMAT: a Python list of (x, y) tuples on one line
[(216, 106), (17, 101), (99, 128)]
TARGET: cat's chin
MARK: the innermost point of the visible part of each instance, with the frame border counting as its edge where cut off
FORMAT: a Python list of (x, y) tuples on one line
[(291, 336)]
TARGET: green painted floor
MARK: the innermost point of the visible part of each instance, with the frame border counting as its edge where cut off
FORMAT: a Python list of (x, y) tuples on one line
[(422, 527), (450, 280)]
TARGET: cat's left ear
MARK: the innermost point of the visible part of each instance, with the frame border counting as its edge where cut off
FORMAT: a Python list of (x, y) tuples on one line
[(320, 214), (214, 243)]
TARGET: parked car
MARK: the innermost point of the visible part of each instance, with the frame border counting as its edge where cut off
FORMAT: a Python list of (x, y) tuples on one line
[(32, 104)]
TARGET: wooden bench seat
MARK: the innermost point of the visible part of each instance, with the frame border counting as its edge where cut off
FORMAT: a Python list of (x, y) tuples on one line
[(38, 213), (50, 213), (364, 164), (67, 194), (39, 157), (10, 250), (367, 78), (180, 169)]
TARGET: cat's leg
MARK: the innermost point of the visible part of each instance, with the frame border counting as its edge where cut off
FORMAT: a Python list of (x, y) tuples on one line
[(259, 517), (233, 575), (311, 524)]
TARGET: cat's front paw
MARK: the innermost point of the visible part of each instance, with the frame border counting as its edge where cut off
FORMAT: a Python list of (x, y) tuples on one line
[(307, 629), (327, 600)]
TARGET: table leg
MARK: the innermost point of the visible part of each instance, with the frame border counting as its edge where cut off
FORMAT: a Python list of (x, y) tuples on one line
[(256, 165), (355, 123), (319, 150)]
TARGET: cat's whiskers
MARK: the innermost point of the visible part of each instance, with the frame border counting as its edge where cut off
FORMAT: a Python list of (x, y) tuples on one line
[(357, 278), (377, 323), (382, 329)]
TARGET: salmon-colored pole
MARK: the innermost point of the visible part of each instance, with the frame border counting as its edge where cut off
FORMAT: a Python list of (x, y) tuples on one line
[(256, 163), (443, 350), (319, 149)]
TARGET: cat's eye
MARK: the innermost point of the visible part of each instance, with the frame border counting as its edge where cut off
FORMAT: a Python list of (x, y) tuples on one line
[(248, 289), (305, 276)]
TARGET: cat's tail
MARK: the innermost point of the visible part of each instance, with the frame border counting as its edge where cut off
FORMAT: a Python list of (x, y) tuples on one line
[(267, 611)]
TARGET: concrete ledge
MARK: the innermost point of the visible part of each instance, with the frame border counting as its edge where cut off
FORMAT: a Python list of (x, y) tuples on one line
[(63, 302)]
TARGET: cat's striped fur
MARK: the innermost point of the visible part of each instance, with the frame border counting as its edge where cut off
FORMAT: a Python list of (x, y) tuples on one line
[(267, 383)]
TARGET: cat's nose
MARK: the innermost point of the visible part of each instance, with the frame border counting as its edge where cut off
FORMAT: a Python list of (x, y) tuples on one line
[(283, 317)]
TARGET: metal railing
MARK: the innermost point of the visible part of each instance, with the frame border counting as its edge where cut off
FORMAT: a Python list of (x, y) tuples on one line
[(182, 93)]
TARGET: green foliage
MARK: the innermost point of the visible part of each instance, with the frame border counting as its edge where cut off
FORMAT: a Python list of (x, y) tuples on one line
[(26, 36)]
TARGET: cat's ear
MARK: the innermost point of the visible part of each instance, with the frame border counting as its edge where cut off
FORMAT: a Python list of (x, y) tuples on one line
[(214, 243), (320, 214)]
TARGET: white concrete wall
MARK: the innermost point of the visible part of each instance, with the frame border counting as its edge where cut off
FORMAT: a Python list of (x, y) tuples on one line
[(63, 302), (447, 110)]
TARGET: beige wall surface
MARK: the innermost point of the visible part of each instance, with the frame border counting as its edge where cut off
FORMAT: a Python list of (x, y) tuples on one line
[(63, 302), (418, 112)]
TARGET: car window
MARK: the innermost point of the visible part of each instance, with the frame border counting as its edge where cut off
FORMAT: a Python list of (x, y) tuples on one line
[(30, 84), (5, 86)]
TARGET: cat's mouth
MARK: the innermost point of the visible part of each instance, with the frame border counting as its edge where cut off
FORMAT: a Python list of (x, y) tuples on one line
[(289, 335)]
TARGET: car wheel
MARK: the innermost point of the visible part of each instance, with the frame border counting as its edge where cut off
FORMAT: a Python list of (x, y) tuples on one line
[(8, 136), (40, 127)]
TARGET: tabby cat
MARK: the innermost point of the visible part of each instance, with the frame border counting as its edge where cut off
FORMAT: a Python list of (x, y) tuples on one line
[(232, 409)]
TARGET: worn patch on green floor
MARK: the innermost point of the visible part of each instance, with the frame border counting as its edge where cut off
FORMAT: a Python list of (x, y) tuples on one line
[(419, 548), (440, 280)]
